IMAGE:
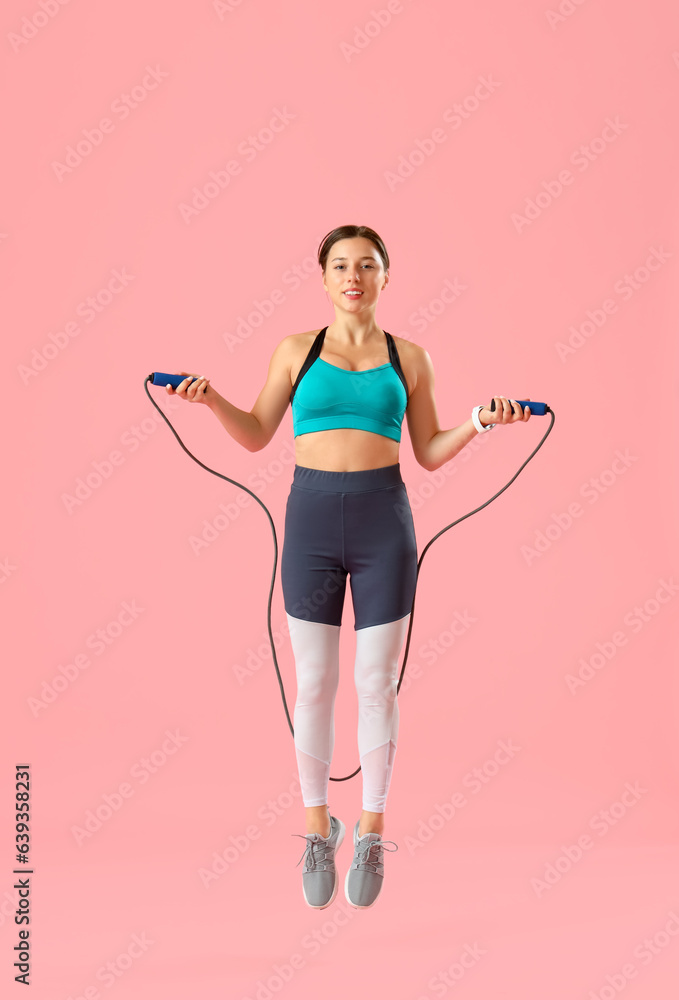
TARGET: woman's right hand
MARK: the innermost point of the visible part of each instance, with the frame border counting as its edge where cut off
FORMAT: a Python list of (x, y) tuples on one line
[(197, 391)]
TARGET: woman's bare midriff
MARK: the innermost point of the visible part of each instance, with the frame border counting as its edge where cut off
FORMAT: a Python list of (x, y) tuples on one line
[(346, 449)]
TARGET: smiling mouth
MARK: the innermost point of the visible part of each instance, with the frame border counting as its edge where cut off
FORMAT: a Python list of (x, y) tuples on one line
[(353, 295)]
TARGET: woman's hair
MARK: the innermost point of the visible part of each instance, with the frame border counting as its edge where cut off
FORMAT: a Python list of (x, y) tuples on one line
[(347, 233)]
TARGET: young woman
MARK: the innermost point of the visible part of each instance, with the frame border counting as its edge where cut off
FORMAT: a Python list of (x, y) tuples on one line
[(347, 514)]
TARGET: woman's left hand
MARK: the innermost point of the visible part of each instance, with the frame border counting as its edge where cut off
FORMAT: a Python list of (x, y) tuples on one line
[(503, 413)]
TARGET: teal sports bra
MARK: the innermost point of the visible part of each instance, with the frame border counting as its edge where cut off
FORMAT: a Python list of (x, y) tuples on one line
[(325, 396)]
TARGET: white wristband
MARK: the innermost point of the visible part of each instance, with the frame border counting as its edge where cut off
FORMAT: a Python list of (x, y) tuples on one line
[(477, 423)]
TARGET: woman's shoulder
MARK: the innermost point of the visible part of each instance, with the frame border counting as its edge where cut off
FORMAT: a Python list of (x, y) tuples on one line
[(412, 354), (298, 341), (409, 346), (291, 351), (294, 343)]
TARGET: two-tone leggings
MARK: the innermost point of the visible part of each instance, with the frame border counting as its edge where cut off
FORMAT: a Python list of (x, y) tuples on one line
[(358, 524)]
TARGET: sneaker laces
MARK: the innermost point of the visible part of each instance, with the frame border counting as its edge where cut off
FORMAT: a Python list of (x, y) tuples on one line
[(315, 852), (365, 862)]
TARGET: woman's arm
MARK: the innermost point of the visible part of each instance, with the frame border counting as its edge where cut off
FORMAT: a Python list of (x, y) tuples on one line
[(255, 429), (252, 429), (432, 446)]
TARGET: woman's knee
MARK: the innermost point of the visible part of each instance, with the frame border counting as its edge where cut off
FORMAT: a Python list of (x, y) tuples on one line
[(377, 689), (316, 688)]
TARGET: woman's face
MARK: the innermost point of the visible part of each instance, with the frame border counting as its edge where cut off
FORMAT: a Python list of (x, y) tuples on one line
[(354, 265)]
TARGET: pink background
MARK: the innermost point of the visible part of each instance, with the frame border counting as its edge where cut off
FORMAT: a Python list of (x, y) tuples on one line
[(169, 666)]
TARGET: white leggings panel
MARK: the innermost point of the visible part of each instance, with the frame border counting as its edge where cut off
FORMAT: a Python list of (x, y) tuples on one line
[(315, 648)]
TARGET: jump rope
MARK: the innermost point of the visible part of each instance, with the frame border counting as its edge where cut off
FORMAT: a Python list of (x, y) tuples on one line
[(536, 409)]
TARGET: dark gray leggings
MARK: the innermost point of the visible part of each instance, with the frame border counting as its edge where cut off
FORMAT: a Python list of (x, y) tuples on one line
[(355, 523)]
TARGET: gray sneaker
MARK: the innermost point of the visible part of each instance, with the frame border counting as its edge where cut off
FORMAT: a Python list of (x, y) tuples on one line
[(319, 876), (366, 874)]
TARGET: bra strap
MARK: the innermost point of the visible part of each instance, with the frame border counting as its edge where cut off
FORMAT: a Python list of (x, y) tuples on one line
[(314, 352), (396, 361)]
